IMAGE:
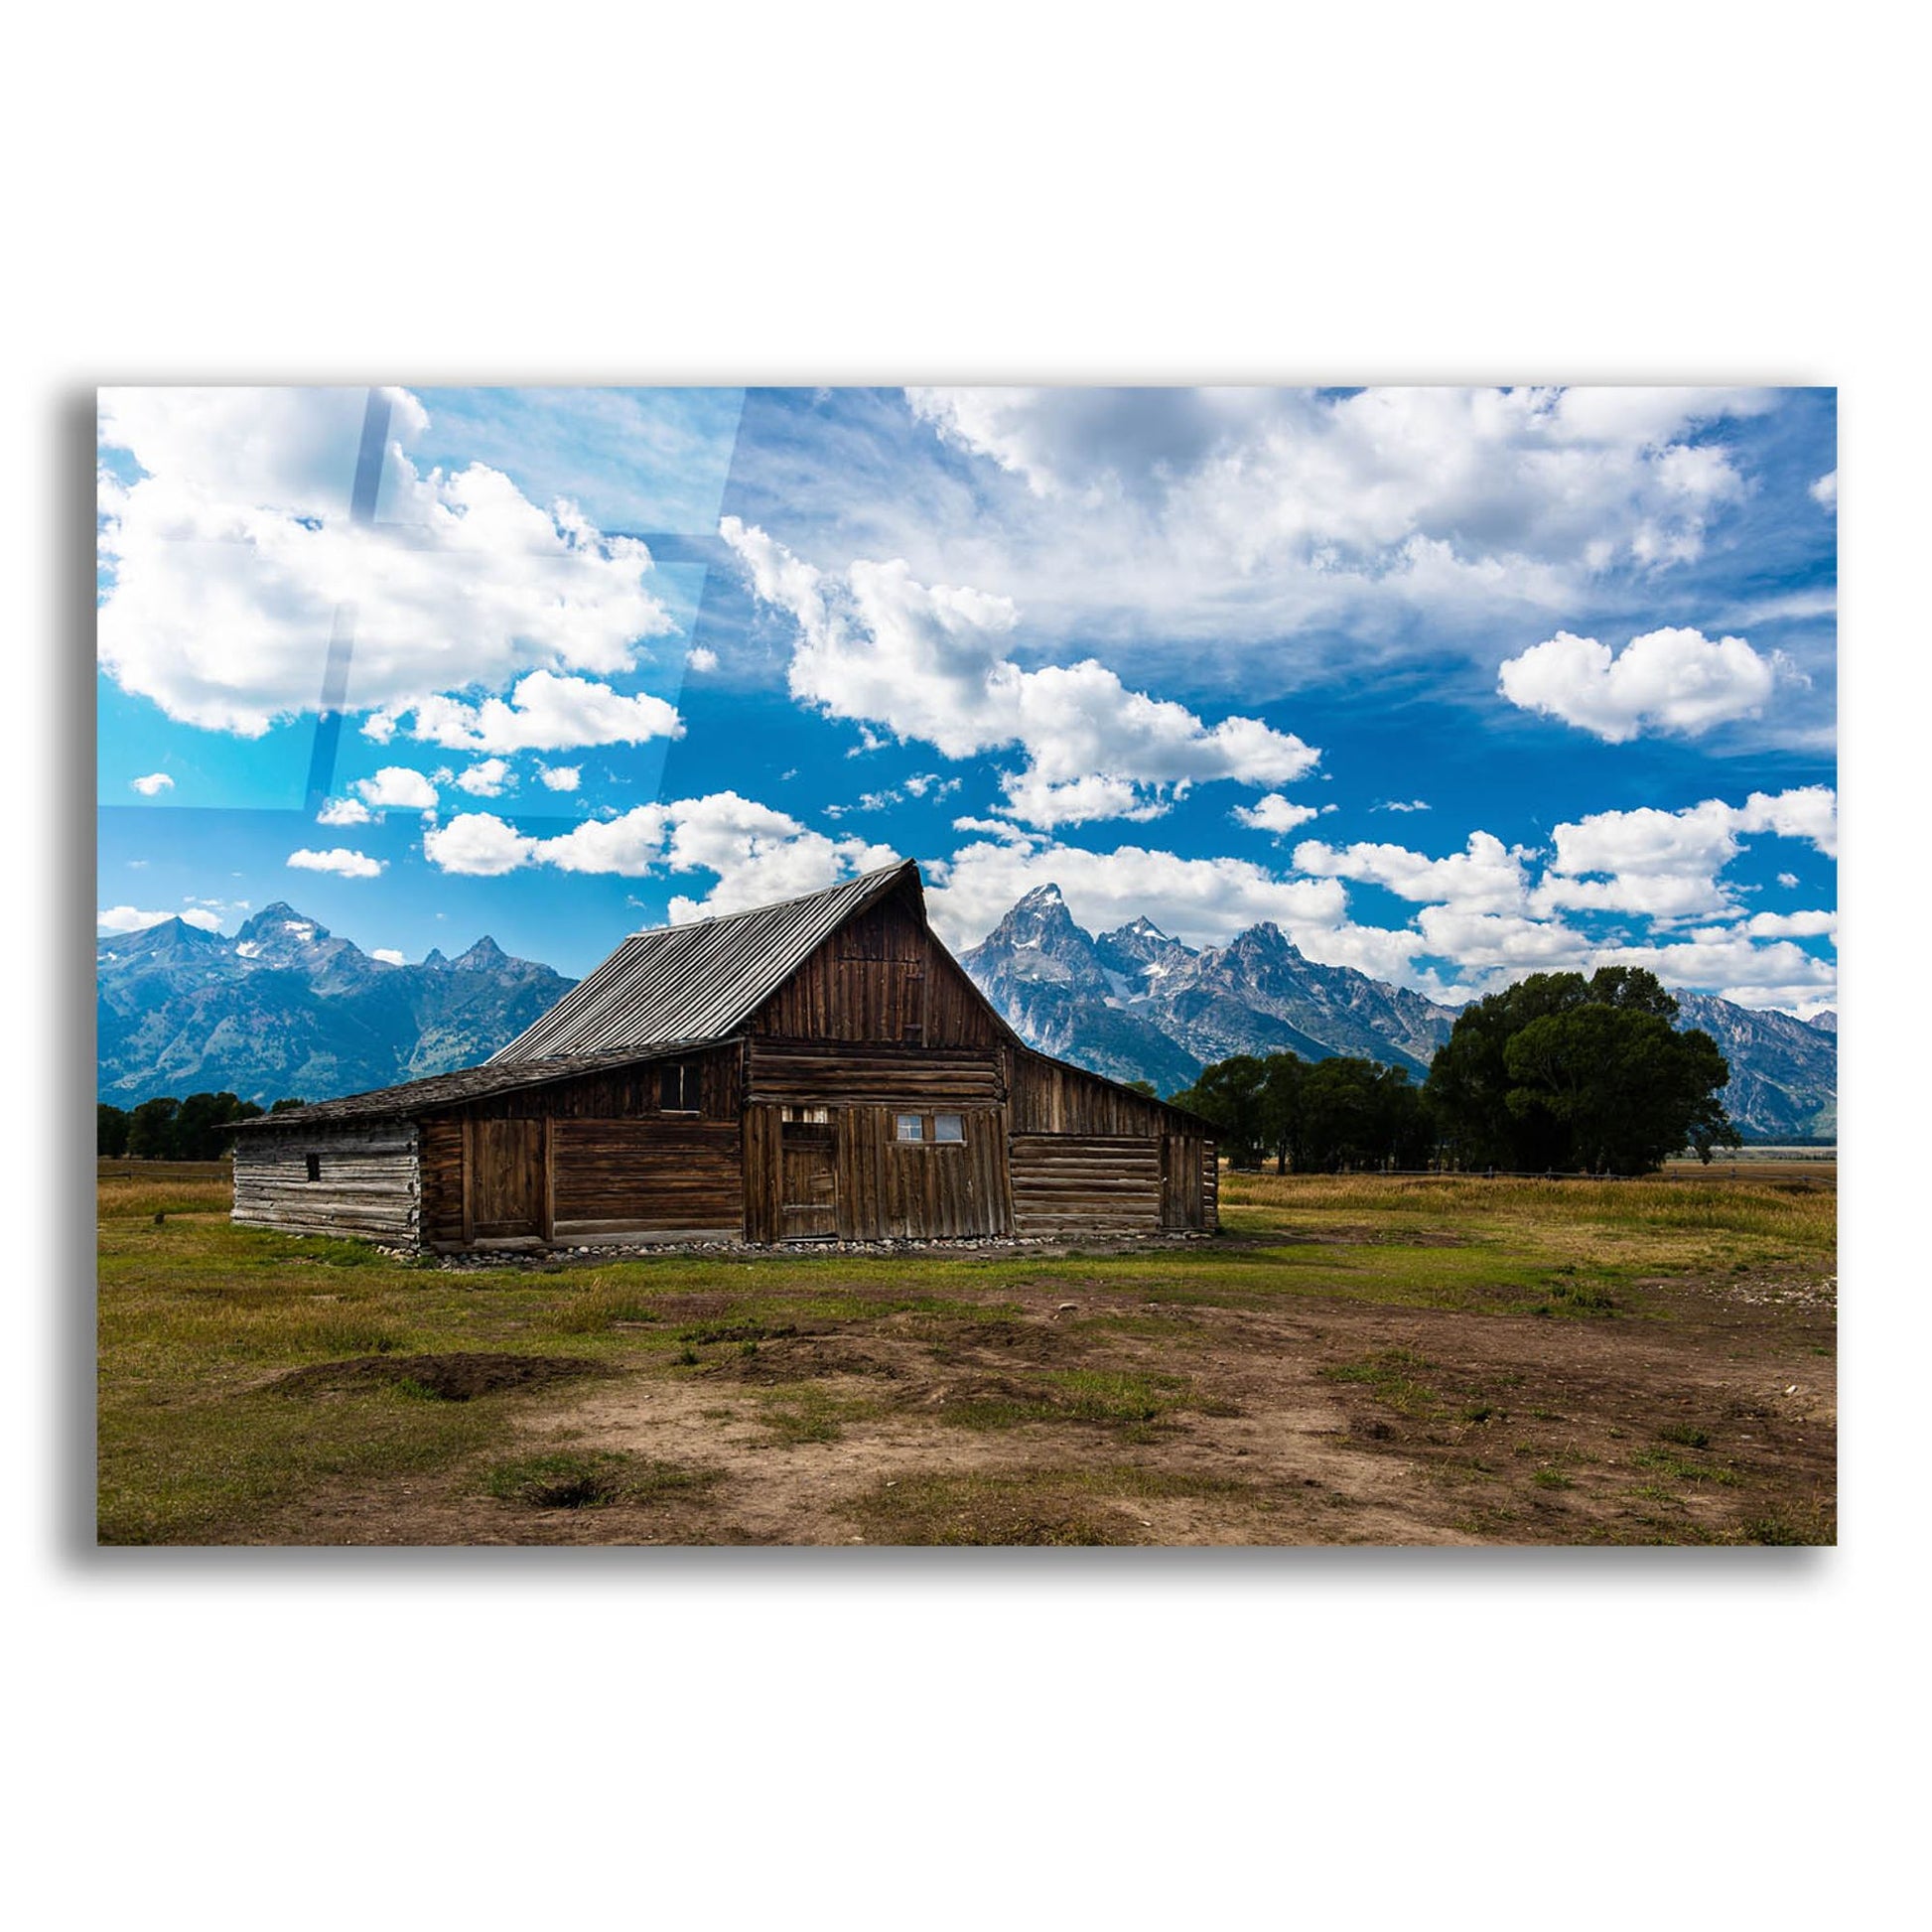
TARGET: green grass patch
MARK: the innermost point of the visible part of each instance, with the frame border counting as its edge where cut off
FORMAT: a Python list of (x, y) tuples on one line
[(795, 1413), (1135, 1403), (1685, 1435), (1393, 1376), (1682, 1468)]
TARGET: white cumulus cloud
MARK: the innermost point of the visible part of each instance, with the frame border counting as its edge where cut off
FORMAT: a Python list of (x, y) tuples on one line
[(128, 919), (489, 779), (1486, 876), (154, 781), (930, 662), (561, 777), (389, 956), (758, 852), (1277, 814), (544, 713), (397, 786), (230, 557), (1667, 865), (339, 860), (1298, 504), (1672, 680), (346, 811)]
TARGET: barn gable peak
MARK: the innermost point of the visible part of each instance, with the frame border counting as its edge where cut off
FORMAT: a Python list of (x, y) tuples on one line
[(704, 979)]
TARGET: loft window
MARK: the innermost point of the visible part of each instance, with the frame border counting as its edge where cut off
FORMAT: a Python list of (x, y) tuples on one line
[(677, 1092), (313, 1161), (931, 1129), (948, 1127), (806, 1116), (909, 1126)]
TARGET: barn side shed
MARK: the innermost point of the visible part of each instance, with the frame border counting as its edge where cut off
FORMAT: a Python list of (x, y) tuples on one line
[(813, 1071)]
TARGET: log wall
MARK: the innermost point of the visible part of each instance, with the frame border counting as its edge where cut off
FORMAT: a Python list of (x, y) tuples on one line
[(1072, 1185), (649, 1177), (366, 1184)]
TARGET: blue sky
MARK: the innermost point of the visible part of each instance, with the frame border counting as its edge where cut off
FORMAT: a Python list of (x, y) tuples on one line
[(1451, 684)]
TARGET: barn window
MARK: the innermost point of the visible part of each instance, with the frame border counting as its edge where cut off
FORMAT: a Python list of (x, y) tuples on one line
[(911, 1127), (806, 1116), (948, 1127), (677, 1092), (314, 1165)]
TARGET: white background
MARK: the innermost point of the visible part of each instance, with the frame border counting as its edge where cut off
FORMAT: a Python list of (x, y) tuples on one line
[(852, 194)]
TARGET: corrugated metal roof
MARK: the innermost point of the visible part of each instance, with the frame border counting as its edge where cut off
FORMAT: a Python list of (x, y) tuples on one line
[(415, 1097), (698, 981)]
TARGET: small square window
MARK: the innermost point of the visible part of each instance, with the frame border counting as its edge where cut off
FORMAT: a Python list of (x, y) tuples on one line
[(314, 1162), (911, 1127), (948, 1127), (677, 1092)]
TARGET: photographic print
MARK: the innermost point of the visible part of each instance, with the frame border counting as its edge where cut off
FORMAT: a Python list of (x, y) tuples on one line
[(973, 966)]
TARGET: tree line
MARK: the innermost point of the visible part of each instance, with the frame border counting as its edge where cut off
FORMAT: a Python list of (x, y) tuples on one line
[(1557, 1073), (200, 1128)]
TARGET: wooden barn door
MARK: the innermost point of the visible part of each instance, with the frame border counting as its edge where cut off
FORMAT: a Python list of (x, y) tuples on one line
[(508, 1192), (808, 1197)]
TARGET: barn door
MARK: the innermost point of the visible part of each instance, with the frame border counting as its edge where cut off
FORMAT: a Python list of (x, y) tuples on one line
[(808, 1198), (507, 1188)]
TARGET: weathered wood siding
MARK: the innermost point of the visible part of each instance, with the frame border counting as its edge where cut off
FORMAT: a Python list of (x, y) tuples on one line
[(621, 1092), (881, 977), (893, 1190), (1087, 1150), (1051, 1098), (1068, 1184), (813, 1073), (880, 1188), (366, 1181), (1186, 1182), (650, 1178), (439, 1139), (602, 1159)]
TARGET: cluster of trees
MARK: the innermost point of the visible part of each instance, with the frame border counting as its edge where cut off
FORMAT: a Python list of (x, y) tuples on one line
[(1561, 1071), (1314, 1116), (1557, 1073), (200, 1128)]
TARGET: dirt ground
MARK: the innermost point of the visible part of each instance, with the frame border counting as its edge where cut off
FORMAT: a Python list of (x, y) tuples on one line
[(1089, 1417)]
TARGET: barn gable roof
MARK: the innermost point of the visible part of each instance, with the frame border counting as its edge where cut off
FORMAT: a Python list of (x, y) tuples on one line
[(698, 981)]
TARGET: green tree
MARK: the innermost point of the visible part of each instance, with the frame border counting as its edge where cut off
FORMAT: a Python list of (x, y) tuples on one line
[(204, 1130), (1228, 1093), (1563, 1071), (150, 1129), (283, 1106), (110, 1129), (1280, 1110)]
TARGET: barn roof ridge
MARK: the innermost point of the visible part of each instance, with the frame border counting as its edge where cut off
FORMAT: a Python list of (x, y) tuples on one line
[(875, 877)]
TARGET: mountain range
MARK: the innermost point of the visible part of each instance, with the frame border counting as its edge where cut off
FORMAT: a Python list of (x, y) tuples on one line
[(285, 1008), (1136, 1003)]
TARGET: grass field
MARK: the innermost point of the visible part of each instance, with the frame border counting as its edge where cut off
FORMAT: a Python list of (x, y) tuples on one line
[(1358, 1360)]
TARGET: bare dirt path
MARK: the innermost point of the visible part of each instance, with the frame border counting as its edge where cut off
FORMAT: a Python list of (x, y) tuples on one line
[(1099, 1418)]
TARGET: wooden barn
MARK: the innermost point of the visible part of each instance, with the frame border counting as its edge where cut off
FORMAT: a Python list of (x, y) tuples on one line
[(820, 1069)]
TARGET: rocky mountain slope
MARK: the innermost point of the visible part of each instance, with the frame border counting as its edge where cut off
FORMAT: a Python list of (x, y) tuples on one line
[(1134, 1003), (286, 1007)]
